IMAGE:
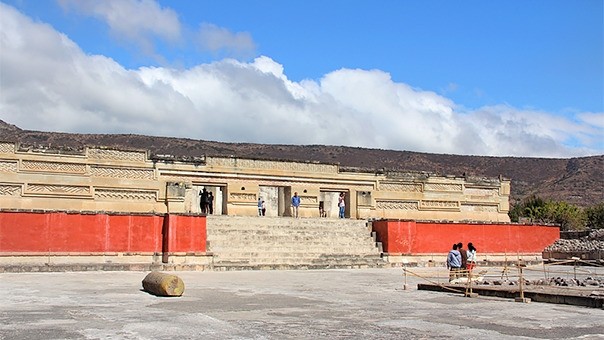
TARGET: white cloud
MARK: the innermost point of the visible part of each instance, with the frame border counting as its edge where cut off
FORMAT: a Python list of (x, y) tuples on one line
[(137, 21), (49, 83), (214, 38), (596, 119)]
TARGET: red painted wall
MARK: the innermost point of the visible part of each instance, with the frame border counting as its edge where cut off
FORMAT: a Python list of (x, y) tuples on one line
[(412, 237), (186, 233), (59, 232)]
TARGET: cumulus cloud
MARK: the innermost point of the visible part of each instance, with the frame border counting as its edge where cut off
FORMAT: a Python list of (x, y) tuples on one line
[(49, 83), (143, 22), (214, 38), (136, 21)]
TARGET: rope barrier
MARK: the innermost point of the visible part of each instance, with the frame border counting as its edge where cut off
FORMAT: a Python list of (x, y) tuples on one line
[(476, 275)]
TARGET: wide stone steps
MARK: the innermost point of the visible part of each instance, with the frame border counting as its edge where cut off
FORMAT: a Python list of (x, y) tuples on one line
[(324, 262), (234, 221), (239, 243), (283, 239), (292, 252), (311, 248)]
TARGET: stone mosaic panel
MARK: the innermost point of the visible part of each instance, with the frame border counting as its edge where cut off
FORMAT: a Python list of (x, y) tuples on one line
[(396, 205), (430, 204), (7, 148), (72, 168), (405, 187), (270, 165), (117, 155), (479, 208), (8, 166), (10, 190), (309, 200), (237, 196), (125, 195), (131, 173), (481, 192), (57, 189), (443, 187)]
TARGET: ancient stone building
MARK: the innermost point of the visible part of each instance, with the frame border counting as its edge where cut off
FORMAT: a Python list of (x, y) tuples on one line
[(101, 179)]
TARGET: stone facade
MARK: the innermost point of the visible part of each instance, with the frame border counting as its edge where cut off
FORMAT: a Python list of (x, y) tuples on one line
[(101, 179)]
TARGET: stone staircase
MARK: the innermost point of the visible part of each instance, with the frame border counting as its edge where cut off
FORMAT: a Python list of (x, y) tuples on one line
[(242, 243)]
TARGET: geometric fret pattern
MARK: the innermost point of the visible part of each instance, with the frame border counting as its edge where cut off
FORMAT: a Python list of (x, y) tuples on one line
[(8, 166), (396, 205), (125, 195), (7, 148), (117, 155), (10, 190), (481, 192), (429, 204), (53, 167), (57, 189), (122, 172), (442, 187), (309, 200), (406, 187), (236, 196), (271, 165)]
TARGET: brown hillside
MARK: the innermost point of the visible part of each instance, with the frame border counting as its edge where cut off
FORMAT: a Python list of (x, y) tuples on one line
[(575, 180)]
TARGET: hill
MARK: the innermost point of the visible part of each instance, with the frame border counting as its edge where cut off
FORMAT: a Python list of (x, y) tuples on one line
[(575, 180)]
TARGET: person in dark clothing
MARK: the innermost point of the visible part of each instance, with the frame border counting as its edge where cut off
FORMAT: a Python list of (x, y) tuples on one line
[(464, 258), (322, 212), (203, 202), (211, 202)]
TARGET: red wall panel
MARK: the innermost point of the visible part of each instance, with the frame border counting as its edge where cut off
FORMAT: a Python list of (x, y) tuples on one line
[(58, 232), (186, 234), (411, 237)]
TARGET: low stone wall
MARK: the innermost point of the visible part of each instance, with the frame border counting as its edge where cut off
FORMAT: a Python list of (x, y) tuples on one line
[(587, 245)]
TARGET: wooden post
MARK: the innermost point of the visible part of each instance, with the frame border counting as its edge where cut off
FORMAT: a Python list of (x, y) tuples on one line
[(521, 265)]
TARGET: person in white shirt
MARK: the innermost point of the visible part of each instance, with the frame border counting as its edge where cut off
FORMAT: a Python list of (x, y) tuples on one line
[(471, 264)]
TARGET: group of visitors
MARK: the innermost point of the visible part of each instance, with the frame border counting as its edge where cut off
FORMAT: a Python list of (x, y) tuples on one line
[(295, 205), (206, 201), (322, 213), (460, 261)]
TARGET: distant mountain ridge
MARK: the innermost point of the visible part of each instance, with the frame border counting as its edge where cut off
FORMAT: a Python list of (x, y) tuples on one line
[(575, 180)]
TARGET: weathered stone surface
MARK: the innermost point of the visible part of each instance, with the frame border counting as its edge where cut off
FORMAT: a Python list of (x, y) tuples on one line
[(554, 281), (162, 284), (593, 242), (112, 180)]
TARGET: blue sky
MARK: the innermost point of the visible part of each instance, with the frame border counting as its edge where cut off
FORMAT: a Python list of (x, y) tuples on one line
[(519, 78)]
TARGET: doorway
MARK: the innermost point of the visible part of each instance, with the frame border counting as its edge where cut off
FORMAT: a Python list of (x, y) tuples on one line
[(330, 200), (218, 202)]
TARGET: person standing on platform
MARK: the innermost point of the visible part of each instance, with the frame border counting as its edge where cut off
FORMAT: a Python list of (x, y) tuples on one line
[(260, 206), (263, 208), (203, 201), (342, 204), (211, 202), (295, 205), (464, 259), (322, 212), (453, 263), (471, 262)]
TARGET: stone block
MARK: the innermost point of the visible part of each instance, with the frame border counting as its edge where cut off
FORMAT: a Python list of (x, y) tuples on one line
[(162, 284)]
